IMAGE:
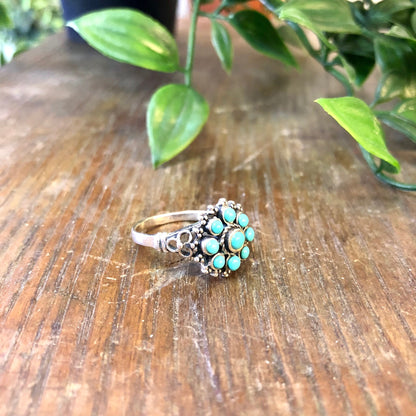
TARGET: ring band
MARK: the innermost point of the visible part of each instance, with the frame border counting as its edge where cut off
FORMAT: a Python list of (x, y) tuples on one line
[(218, 237)]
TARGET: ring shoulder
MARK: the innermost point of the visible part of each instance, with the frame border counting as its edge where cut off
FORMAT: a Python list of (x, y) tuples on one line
[(183, 241)]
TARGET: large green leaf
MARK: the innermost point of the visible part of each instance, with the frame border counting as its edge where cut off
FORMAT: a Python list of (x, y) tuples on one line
[(221, 41), (356, 117), (397, 60), (175, 116), (320, 16), (257, 30), (5, 20), (129, 36)]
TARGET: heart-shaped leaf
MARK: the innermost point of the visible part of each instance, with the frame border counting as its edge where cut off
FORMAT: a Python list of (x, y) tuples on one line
[(320, 16), (396, 58), (221, 41), (257, 30), (129, 36), (357, 118), (175, 116)]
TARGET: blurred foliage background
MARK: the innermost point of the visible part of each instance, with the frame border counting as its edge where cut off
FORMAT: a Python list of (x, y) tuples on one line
[(23, 23)]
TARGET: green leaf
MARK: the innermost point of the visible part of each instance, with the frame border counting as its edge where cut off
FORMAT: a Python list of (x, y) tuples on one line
[(396, 58), (129, 36), (399, 123), (5, 20), (348, 68), (358, 51), (407, 109), (175, 116), (221, 41), (257, 30), (413, 21), (320, 16), (362, 66), (384, 11), (289, 36), (356, 117), (400, 32)]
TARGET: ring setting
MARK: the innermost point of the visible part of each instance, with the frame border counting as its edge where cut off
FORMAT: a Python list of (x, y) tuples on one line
[(218, 240)]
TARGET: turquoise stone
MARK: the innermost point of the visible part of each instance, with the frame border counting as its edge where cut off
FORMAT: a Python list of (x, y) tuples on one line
[(233, 263), (219, 261), (229, 214), (243, 220), (237, 240), (249, 234), (245, 252), (216, 227), (212, 246)]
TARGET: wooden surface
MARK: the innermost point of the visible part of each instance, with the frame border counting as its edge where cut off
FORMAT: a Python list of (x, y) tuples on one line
[(320, 321)]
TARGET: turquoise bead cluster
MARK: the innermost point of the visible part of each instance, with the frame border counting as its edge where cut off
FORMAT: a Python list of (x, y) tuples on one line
[(224, 237)]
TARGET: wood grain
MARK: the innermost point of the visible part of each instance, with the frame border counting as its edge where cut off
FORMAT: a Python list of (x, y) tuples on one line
[(320, 321)]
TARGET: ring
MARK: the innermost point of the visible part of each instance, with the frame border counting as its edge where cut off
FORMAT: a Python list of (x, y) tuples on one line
[(218, 240)]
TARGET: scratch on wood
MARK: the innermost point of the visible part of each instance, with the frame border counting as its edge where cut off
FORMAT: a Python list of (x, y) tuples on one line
[(163, 281), (114, 262)]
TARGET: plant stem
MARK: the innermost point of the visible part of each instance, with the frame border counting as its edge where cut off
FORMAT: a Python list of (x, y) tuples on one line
[(305, 41), (191, 44), (212, 16), (342, 79), (382, 177)]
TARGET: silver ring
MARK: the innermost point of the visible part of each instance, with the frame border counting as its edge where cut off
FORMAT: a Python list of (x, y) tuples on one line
[(218, 238)]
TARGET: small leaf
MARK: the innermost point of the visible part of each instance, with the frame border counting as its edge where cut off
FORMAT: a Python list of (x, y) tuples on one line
[(358, 51), (407, 109), (5, 20), (356, 117), (175, 116), (384, 11), (402, 118), (396, 58), (257, 30), (129, 36), (386, 167), (289, 36), (362, 66), (320, 16), (221, 41), (399, 123), (400, 32)]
